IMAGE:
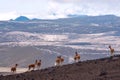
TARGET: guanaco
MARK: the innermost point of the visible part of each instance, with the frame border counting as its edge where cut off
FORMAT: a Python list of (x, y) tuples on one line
[(111, 50), (32, 66), (59, 60), (38, 64), (14, 68), (76, 57)]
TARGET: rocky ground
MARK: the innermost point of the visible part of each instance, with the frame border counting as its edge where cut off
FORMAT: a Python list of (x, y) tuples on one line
[(100, 69)]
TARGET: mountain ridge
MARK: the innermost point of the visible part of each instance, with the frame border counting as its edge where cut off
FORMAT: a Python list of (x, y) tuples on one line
[(24, 18)]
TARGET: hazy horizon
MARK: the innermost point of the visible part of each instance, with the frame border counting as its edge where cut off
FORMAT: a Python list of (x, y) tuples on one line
[(53, 9)]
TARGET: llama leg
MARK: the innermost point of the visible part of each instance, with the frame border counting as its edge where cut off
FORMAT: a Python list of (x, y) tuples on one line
[(29, 68)]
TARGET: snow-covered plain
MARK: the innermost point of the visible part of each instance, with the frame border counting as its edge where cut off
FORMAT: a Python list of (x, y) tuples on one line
[(8, 69), (96, 41)]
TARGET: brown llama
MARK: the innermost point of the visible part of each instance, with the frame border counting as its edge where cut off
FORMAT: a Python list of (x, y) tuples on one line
[(111, 50), (38, 64), (32, 66), (59, 60), (62, 60), (13, 69), (76, 57)]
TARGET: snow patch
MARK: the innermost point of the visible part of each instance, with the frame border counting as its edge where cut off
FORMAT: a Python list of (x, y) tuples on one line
[(27, 36)]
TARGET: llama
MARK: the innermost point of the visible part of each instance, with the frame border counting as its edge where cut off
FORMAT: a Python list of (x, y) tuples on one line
[(76, 57), (111, 51), (38, 64), (32, 66), (62, 60), (13, 69), (59, 60)]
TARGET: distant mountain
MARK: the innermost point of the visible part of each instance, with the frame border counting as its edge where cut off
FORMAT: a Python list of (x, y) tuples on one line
[(80, 18), (100, 16), (22, 18), (35, 19), (86, 20), (71, 16)]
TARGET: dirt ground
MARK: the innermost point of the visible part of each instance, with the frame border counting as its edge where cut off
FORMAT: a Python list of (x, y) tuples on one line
[(100, 69)]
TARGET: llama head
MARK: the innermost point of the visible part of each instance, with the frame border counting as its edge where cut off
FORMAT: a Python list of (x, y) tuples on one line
[(40, 60), (58, 56), (76, 53), (36, 61), (16, 65), (109, 46)]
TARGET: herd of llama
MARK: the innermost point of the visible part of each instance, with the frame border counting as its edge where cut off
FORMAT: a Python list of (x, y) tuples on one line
[(59, 60)]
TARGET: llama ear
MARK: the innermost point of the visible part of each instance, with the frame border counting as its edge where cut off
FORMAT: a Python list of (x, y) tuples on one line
[(76, 52), (36, 60), (109, 46)]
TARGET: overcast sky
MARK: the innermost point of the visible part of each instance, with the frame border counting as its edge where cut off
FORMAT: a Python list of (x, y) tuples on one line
[(51, 9)]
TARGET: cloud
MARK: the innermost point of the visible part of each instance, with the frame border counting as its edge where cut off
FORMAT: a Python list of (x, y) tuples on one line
[(85, 7), (59, 10), (8, 15), (14, 14), (86, 1), (52, 9), (66, 1)]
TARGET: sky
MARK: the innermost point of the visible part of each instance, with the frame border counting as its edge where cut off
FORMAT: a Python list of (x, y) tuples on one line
[(53, 9)]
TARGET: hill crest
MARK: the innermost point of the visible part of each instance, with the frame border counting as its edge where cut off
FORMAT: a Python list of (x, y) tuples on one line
[(100, 69)]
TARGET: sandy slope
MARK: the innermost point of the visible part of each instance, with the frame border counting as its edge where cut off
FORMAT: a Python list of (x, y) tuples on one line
[(100, 69)]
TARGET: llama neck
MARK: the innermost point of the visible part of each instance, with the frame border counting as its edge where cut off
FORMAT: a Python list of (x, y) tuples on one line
[(76, 54), (110, 48), (35, 63), (15, 66)]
